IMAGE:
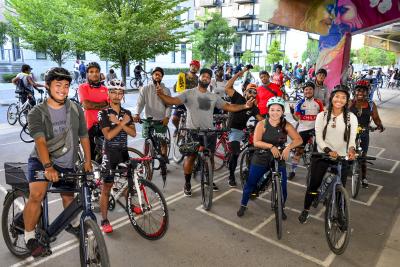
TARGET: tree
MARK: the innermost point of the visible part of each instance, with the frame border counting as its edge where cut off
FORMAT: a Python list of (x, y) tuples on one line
[(126, 30), (274, 52), (311, 51), (215, 40), (3, 32), (375, 56), (46, 26), (247, 56)]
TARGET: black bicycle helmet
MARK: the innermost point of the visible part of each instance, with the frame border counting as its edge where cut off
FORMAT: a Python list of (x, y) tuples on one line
[(341, 88), (92, 65), (322, 71), (308, 84)]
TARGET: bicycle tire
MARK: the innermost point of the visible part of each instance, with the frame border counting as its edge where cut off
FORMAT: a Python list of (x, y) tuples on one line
[(307, 155), (207, 175), (169, 141), (12, 114), (276, 198), (355, 179), (95, 253), (176, 143), (25, 135), (11, 233), (133, 83), (331, 221), (23, 116), (134, 153), (139, 219), (220, 155), (244, 167)]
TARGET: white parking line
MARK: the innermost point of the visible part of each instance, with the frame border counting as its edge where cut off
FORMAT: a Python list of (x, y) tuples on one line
[(6, 144), (118, 223)]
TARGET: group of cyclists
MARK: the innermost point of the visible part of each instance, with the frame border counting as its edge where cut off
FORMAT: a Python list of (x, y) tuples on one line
[(59, 125)]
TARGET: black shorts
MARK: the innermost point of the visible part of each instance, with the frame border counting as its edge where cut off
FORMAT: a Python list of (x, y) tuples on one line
[(306, 135), (211, 140), (111, 159)]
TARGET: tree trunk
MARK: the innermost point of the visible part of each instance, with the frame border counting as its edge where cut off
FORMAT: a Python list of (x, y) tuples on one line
[(123, 64)]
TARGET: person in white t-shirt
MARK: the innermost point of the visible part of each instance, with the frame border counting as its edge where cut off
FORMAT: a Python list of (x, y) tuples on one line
[(335, 132), (218, 83)]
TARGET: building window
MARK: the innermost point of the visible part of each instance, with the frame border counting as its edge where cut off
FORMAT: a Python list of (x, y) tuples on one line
[(183, 53), (248, 42), (257, 41), (173, 57), (178, 8), (41, 55), (80, 55), (16, 51), (2, 52), (152, 59)]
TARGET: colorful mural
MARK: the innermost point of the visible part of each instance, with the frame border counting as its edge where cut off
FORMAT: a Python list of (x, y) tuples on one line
[(334, 21)]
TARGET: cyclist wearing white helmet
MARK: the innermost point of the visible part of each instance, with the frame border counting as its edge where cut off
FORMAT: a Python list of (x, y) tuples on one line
[(269, 134), (116, 123)]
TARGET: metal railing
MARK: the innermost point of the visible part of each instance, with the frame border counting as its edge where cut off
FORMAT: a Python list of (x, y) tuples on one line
[(11, 55)]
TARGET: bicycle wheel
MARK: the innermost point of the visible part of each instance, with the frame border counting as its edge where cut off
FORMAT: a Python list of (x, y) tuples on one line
[(23, 116), (337, 221), (207, 175), (148, 172), (307, 154), (12, 114), (355, 179), (151, 222), (244, 167), (276, 199), (24, 135), (177, 141), (168, 141), (13, 229), (92, 247), (133, 83), (220, 155)]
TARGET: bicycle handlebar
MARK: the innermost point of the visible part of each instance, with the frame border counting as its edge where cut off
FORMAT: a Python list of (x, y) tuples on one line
[(323, 155), (198, 130)]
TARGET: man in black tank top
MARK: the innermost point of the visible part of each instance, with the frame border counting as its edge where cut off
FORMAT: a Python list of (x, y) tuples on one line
[(365, 110), (237, 121)]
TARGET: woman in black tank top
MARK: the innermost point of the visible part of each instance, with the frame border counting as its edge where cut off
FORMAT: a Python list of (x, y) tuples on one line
[(270, 134), (365, 110)]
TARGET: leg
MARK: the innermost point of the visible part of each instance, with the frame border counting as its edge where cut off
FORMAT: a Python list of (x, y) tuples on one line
[(235, 151), (187, 171), (32, 209), (104, 197)]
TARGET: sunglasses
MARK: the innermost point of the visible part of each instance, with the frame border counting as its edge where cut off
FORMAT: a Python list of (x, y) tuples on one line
[(333, 122), (252, 91)]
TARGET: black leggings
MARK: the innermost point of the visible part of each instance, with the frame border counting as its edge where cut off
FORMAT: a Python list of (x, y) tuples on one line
[(318, 170), (235, 147)]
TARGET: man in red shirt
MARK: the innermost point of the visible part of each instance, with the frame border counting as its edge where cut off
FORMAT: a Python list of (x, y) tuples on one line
[(265, 92), (94, 97), (277, 78)]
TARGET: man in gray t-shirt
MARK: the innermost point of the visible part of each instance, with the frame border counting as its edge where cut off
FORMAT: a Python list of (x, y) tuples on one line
[(200, 107)]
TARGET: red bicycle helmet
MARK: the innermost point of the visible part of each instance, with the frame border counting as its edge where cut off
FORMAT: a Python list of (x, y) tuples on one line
[(364, 83)]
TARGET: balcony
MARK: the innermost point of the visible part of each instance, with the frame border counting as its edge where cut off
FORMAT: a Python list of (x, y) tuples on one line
[(245, 16), (272, 27), (210, 3), (11, 55), (244, 1), (250, 28)]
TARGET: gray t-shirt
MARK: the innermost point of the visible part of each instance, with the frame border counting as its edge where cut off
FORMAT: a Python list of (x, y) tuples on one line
[(200, 107), (59, 122)]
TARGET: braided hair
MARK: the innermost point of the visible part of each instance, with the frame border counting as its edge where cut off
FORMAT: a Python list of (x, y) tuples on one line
[(346, 134)]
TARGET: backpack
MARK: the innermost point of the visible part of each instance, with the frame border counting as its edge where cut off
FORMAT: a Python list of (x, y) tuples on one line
[(21, 87)]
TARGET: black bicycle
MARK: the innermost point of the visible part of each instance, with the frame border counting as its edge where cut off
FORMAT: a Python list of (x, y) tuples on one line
[(25, 135), (179, 137), (334, 196), (203, 163), (92, 247), (273, 178), (153, 148)]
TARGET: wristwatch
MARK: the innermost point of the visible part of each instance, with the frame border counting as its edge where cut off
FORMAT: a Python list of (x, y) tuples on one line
[(48, 165)]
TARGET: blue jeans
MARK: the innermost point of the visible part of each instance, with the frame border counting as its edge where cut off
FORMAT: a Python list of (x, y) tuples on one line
[(255, 174)]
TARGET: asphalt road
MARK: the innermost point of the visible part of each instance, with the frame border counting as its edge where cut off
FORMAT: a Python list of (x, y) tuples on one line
[(218, 237)]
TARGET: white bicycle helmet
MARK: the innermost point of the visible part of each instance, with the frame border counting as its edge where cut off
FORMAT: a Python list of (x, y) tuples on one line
[(116, 85), (276, 100)]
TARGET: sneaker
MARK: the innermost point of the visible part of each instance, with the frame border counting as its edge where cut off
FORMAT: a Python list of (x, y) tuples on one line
[(364, 183), (284, 217), (76, 231), (303, 216), (291, 175), (215, 188), (241, 211), (187, 190), (35, 247), (232, 182), (106, 226)]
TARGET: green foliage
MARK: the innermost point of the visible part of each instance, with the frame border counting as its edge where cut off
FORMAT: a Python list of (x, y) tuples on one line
[(47, 26), (247, 57), (7, 77), (311, 51), (373, 56), (214, 41), (274, 53), (124, 30), (3, 32)]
